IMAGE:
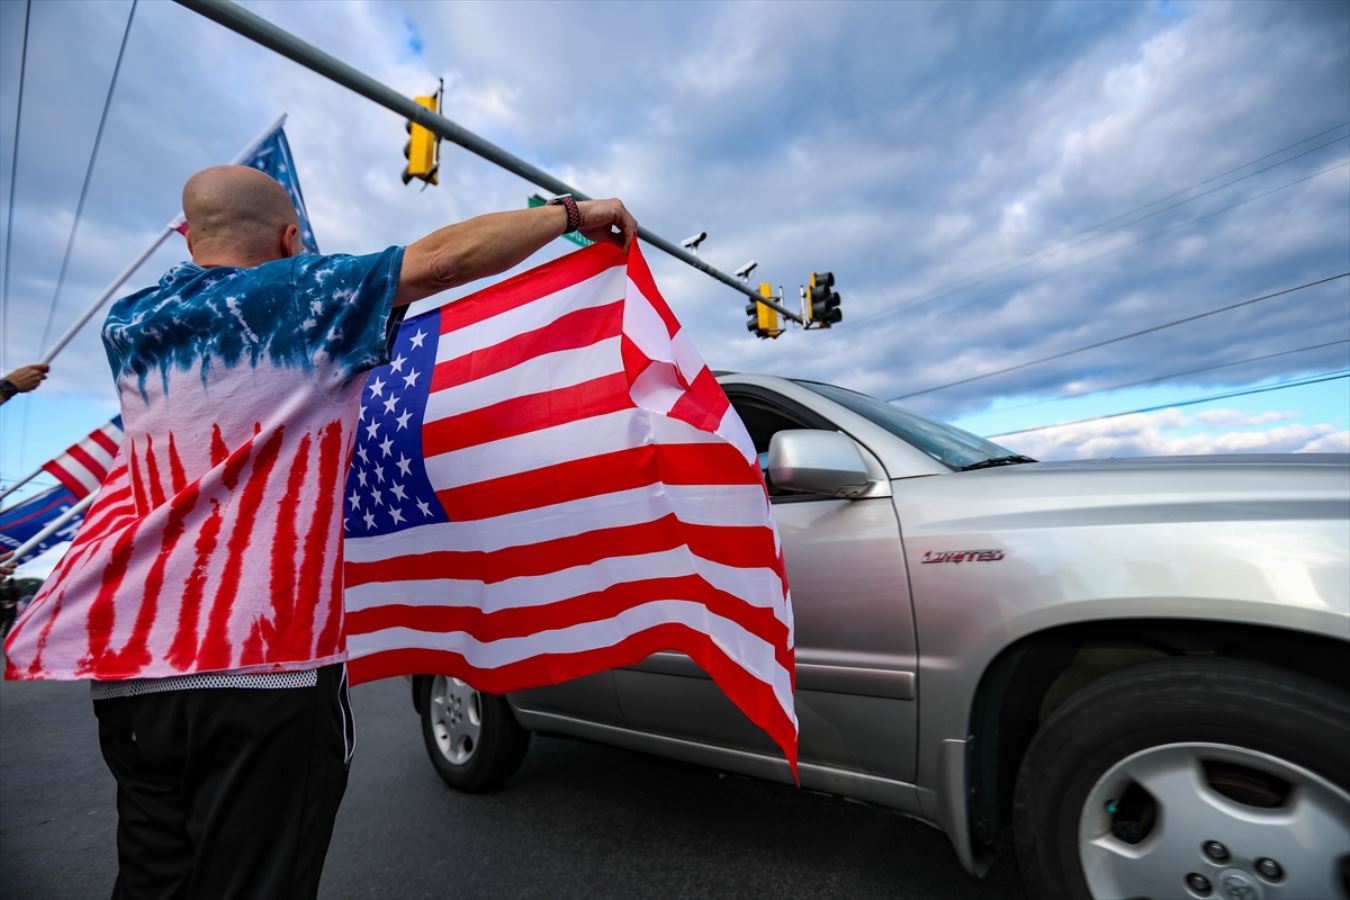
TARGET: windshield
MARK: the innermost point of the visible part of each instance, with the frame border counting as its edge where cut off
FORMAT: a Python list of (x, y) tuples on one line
[(948, 445)]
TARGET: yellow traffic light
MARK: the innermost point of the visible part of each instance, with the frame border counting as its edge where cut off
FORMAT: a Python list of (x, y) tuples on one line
[(763, 319), (423, 147)]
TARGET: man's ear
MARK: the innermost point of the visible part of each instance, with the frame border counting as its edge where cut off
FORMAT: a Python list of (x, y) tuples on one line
[(187, 235), (291, 245)]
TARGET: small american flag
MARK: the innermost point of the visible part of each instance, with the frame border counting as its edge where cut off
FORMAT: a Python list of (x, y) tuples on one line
[(548, 482), (85, 464)]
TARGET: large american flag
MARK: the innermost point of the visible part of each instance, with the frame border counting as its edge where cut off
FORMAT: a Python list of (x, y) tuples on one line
[(548, 482), (86, 463)]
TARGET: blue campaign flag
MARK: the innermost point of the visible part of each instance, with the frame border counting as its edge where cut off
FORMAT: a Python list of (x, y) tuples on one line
[(272, 155), (23, 520)]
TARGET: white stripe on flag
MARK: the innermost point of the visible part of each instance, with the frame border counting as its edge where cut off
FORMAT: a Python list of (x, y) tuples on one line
[(626, 429), (751, 652), (599, 290), (757, 587), (735, 505), (549, 371)]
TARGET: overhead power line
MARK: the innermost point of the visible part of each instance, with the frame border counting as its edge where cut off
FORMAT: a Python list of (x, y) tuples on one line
[(13, 189), (88, 176), (1094, 232), (1122, 337), (1284, 385), (1157, 378)]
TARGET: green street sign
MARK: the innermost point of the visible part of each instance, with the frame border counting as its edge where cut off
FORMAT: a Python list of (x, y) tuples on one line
[(574, 237)]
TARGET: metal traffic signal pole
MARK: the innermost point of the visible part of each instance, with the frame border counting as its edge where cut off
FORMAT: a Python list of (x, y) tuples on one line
[(255, 27)]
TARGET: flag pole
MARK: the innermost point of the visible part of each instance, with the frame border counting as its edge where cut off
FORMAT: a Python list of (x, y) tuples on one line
[(20, 483), (135, 264), (52, 528)]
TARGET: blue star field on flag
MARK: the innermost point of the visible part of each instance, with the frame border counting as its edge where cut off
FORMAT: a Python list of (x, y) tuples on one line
[(387, 487)]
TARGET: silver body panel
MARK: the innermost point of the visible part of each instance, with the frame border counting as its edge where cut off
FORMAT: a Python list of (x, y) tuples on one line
[(891, 649)]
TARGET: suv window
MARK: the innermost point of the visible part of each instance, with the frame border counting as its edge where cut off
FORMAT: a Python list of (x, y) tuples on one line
[(947, 444), (763, 422)]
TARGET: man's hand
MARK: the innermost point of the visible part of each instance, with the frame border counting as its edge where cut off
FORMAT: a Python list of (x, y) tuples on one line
[(599, 218), (25, 378), (7, 565)]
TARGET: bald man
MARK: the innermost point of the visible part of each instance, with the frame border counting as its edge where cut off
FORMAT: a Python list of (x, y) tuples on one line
[(209, 615)]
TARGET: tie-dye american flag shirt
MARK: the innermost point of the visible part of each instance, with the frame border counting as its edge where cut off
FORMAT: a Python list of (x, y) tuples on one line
[(216, 542)]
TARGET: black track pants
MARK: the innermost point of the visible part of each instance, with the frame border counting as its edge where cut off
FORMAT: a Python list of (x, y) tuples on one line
[(226, 792)]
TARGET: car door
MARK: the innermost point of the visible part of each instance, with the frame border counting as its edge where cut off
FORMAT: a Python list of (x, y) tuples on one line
[(855, 647)]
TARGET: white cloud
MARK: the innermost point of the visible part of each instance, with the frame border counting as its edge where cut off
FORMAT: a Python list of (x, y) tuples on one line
[(1172, 432)]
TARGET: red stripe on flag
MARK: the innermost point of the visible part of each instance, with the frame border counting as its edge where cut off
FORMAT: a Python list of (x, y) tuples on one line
[(755, 698), (603, 474), (521, 415), (742, 547), (530, 286), (57, 471), (577, 329), (94, 467), (704, 404), (215, 651), (641, 276), (505, 624), (103, 440)]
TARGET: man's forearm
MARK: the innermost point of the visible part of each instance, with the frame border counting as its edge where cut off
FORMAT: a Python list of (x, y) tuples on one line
[(477, 248)]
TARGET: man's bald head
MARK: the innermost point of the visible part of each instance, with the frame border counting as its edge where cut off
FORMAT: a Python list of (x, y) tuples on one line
[(239, 216)]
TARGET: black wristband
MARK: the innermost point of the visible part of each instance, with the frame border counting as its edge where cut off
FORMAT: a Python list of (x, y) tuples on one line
[(573, 214), (8, 389)]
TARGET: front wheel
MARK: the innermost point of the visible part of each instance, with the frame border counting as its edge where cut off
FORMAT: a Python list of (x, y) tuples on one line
[(1189, 778), (473, 738)]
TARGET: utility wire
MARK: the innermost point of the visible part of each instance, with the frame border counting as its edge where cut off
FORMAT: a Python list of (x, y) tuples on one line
[(1283, 385), (1157, 378), (88, 176), (1089, 234), (1123, 337), (13, 189)]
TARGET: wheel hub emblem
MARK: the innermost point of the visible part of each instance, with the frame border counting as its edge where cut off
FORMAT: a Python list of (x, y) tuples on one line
[(1236, 884)]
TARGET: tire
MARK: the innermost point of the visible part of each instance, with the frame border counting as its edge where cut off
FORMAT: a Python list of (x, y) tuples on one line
[(473, 739), (1124, 787)]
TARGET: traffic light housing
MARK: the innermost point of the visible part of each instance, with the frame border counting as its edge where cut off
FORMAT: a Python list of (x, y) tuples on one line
[(822, 301), (423, 147), (763, 319)]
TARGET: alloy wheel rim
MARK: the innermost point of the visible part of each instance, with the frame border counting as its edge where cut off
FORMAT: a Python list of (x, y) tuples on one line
[(456, 714), (1214, 821)]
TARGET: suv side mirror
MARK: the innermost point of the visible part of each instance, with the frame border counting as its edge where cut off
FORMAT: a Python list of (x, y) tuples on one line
[(817, 462)]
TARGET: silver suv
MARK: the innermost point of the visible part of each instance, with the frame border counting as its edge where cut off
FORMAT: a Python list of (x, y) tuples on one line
[(1138, 666)]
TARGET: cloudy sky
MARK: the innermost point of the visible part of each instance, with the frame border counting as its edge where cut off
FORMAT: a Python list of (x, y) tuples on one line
[(990, 183)]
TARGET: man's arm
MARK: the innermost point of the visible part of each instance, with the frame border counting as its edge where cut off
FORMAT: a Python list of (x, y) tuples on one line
[(487, 245)]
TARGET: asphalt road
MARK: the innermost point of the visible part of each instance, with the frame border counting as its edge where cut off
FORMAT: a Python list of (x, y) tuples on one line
[(577, 820)]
